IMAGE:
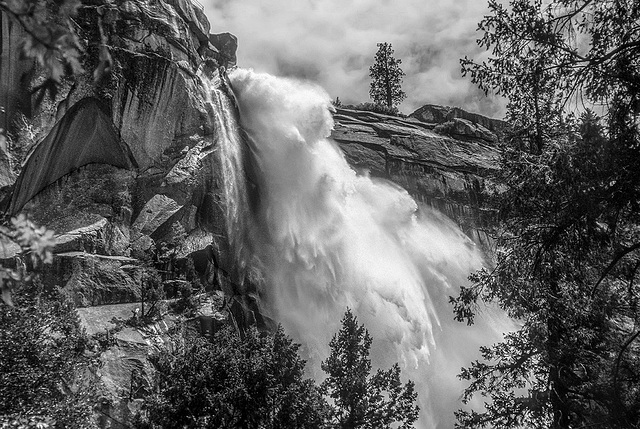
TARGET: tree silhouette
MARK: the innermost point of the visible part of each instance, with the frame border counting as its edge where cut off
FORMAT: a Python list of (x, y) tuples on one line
[(567, 263), (386, 77), (361, 400), (233, 382)]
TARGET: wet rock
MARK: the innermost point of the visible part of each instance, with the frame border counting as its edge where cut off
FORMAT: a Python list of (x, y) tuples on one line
[(446, 170)]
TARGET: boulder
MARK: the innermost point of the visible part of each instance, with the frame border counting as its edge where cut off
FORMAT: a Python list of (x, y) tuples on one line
[(431, 113), (84, 238), (155, 213), (463, 128), (227, 45)]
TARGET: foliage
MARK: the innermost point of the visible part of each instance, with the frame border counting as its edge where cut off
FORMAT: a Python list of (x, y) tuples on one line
[(361, 400), (188, 292), (151, 294), (51, 39), (42, 366), (569, 232), (26, 422), (257, 382), (251, 382), (35, 245), (377, 108), (386, 77), (547, 55)]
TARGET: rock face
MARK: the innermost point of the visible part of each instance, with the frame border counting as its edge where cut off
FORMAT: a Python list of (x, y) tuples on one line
[(126, 172), (442, 156), (12, 89), (434, 114)]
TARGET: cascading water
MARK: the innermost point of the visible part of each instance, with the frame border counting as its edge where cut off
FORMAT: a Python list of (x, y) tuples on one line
[(230, 159), (328, 238)]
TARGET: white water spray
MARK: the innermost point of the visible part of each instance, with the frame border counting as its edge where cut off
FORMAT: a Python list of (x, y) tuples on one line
[(230, 157), (329, 239)]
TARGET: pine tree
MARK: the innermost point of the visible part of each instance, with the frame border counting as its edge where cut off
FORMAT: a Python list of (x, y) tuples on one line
[(361, 400), (567, 264), (386, 77), (228, 381)]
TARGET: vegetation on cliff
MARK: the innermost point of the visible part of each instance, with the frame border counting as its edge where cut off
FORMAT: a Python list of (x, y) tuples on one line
[(52, 41), (386, 78)]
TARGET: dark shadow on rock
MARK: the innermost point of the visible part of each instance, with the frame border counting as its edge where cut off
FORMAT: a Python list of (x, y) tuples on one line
[(83, 136)]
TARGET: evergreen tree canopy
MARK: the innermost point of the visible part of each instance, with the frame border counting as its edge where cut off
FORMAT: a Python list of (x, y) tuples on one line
[(43, 370), (362, 400), (386, 77), (256, 381), (568, 237), (228, 382)]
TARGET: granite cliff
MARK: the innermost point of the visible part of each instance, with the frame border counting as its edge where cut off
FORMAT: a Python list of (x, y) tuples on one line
[(128, 174), (442, 156)]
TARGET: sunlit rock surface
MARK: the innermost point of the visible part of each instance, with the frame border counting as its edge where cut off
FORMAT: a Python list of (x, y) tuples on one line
[(442, 156)]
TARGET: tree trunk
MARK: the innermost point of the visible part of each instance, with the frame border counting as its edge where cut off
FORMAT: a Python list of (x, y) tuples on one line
[(387, 83), (558, 391), (538, 117)]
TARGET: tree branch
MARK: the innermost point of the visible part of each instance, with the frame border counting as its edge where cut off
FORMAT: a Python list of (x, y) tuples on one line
[(621, 254)]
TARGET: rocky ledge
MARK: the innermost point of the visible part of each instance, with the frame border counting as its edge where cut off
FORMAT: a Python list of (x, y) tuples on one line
[(443, 156)]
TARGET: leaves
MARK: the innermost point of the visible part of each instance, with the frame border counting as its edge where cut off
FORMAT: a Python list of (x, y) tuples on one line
[(386, 78), (50, 38), (51, 41), (257, 382), (35, 244), (362, 400), (233, 382), (569, 230), (41, 354)]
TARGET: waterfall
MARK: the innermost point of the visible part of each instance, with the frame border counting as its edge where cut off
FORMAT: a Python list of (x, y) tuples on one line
[(230, 158), (328, 238)]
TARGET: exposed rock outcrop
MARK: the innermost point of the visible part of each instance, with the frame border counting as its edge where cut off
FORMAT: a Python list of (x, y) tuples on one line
[(443, 166), (85, 135), (226, 44), (126, 172), (434, 114)]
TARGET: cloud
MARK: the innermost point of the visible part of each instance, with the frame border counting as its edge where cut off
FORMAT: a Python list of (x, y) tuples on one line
[(333, 42)]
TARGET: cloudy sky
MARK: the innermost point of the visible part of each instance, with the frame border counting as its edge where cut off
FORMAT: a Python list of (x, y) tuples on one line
[(333, 42)]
